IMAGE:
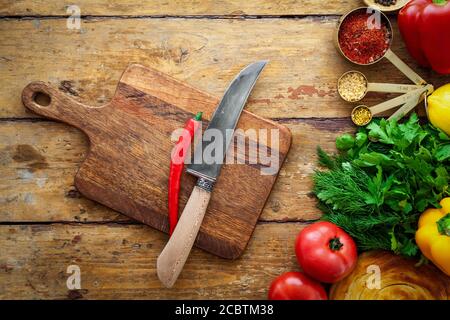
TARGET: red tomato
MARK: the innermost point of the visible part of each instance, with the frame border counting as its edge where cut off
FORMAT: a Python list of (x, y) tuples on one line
[(296, 286), (325, 252)]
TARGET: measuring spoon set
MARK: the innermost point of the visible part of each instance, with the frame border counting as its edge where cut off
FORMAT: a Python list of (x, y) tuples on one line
[(412, 94)]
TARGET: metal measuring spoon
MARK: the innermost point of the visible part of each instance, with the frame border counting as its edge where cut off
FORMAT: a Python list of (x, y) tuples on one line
[(373, 86), (387, 105), (411, 104), (389, 54)]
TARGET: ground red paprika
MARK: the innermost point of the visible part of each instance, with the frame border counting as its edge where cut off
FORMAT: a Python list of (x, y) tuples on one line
[(176, 167), (361, 41)]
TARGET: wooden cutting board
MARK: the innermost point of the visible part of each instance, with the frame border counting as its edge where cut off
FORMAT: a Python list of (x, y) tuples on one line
[(127, 166)]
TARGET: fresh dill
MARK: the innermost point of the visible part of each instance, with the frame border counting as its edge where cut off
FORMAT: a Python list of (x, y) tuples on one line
[(381, 180)]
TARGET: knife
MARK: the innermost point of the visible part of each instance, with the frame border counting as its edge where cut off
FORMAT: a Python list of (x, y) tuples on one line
[(174, 255)]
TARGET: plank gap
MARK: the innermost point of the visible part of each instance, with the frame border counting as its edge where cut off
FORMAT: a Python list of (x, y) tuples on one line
[(193, 17)]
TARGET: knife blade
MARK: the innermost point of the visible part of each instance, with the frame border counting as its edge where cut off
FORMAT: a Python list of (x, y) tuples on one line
[(223, 122)]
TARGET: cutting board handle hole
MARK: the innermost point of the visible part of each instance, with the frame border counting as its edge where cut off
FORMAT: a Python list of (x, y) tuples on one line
[(42, 99)]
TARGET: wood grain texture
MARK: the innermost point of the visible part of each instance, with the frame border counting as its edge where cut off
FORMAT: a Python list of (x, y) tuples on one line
[(298, 82), (127, 165), (400, 280), (38, 161), (177, 7), (118, 261)]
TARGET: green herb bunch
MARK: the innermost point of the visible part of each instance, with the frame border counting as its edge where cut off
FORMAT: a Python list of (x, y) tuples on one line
[(382, 179)]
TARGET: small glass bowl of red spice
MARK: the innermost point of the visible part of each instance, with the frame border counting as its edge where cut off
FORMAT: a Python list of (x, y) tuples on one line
[(364, 35)]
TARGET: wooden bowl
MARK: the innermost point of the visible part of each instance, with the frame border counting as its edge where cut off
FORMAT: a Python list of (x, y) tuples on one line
[(392, 8)]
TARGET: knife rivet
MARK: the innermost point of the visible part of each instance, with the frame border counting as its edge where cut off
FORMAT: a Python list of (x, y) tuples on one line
[(205, 184)]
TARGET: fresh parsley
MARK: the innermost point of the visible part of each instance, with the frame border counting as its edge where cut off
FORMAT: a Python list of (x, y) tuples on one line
[(382, 179)]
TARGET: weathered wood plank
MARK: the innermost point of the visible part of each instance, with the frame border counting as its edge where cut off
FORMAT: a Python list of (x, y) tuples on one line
[(177, 7), (119, 262), (38, 161), (299, 81)]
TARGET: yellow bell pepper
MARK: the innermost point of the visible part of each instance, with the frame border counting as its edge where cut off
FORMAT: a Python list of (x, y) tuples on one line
[(433, 235), (439, 108)]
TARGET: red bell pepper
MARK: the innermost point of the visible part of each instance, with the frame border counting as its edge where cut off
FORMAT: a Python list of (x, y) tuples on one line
[(425, 28)]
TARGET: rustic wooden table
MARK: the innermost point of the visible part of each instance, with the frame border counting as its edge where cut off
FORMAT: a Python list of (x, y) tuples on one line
[(46, 225)]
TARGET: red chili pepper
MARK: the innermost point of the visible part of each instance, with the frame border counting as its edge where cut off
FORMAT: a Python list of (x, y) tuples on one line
[(176, 167)]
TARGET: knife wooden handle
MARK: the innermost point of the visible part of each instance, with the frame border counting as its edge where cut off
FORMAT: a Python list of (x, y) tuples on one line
[(174, 255)]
